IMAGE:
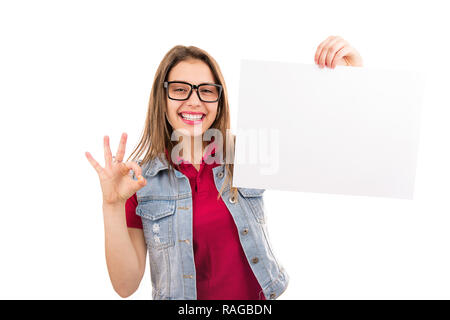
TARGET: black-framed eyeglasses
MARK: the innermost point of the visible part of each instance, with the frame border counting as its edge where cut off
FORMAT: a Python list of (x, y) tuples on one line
[(181, 90)]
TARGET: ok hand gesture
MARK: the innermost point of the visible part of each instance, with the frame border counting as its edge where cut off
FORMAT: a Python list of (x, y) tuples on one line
[(117, 185)]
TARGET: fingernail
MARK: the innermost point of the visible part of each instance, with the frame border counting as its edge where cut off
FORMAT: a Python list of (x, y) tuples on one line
[(141, 179)]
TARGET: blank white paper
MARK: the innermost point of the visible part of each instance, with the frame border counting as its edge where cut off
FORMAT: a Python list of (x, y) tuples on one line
[(347, 130)]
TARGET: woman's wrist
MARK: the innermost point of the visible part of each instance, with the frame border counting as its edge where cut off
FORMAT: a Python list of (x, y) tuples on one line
[(113, 205)]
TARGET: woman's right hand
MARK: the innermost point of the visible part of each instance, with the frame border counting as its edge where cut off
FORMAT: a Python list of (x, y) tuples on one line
[(117, 185)]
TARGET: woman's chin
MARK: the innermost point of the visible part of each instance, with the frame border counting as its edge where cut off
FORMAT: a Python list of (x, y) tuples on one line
[(192, 131)]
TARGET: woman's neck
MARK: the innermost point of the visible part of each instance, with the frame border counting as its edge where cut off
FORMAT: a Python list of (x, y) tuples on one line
[(195, 147)]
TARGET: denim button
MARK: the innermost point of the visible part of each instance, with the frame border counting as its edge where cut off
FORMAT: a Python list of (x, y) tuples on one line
[(232, 199), (273, 296), (220, 174), (244, 231), (255, 260)]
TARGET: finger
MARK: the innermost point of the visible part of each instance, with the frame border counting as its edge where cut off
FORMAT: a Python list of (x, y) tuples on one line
[(141, 181), (123, 168), (332, 49), (323, 53), (121, 150), (108, 155), (320, 47), (341, 54), (94, 163), (135, 167)]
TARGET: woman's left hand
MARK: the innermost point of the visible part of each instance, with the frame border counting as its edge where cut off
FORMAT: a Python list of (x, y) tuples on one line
[(335, 51)]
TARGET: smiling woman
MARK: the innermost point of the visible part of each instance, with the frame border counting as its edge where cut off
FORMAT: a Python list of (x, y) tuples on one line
[(205, 238)]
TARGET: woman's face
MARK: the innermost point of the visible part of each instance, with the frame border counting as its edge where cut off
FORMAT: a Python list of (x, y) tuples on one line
[(194, 72)]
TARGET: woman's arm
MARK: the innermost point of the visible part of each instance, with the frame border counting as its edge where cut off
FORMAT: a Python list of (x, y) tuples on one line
[(335, 51), (125, 251)]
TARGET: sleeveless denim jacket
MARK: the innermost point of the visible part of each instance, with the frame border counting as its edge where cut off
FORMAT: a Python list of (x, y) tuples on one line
[(165, 207)]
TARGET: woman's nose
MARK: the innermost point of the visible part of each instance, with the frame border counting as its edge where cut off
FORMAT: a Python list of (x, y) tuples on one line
[(194, 99)]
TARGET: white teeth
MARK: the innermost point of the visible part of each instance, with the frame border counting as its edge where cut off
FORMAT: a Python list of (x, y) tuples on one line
[(191, 117)]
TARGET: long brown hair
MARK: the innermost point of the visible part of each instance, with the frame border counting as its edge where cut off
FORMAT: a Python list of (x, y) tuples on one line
[(157, 133)]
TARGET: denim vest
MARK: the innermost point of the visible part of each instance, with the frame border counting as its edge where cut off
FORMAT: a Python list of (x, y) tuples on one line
[(165, 208)]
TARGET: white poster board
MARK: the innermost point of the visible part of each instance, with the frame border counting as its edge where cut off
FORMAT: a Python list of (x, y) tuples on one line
[(347, 130)]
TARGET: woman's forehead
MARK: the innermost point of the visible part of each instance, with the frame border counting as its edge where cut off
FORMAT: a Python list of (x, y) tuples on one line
[(192, 71)]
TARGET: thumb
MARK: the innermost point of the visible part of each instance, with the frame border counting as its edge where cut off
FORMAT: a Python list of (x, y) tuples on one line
[(140, 182)]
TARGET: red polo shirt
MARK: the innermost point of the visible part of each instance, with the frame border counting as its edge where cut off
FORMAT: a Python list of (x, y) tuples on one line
[(222, 269)]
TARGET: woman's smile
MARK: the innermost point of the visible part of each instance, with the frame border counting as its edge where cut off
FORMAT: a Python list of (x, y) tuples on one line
[(192, 118)]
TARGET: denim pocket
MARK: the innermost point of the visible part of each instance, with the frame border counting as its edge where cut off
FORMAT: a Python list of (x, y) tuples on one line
[(158, 222), (254, 199)]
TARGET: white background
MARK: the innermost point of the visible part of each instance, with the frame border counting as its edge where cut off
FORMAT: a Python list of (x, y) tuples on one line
[(74, 71)]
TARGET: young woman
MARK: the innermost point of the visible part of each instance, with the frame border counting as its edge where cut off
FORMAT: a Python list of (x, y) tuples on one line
[(205, 239)]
